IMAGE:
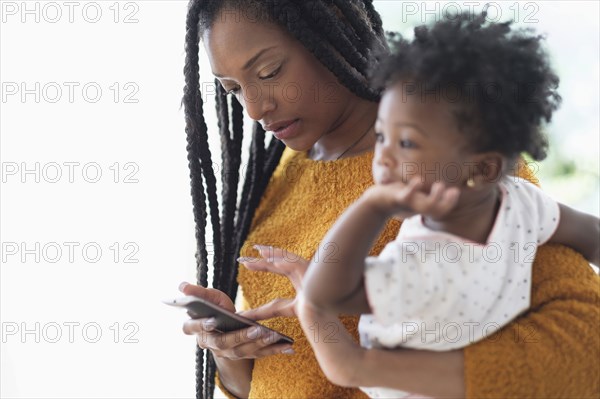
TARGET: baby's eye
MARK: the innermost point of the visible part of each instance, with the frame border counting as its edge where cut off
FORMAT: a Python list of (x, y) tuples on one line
[(378, 137), (407, 144)]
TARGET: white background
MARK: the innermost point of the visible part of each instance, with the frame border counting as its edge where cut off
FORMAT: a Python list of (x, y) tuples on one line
[(141, 50)]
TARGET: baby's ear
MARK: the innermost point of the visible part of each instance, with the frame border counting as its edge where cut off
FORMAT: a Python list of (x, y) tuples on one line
[(490, 167)]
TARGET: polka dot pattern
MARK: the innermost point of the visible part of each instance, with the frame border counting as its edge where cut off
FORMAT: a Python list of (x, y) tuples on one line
[(436, 291)]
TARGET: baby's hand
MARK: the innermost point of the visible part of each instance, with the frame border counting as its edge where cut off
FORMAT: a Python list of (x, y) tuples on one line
[(405, 200)]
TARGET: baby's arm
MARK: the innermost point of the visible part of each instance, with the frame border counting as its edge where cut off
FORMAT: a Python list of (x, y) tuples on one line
[(579, 231), (336, 285), (339, 356), (345, 363)]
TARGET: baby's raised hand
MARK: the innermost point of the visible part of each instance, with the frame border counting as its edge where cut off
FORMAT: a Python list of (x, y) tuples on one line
[(405, 200)]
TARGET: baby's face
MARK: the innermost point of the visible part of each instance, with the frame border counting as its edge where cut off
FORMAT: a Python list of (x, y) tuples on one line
[(418, 136)]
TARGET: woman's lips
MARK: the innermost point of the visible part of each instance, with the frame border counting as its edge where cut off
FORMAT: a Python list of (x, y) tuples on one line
[(288, 131)]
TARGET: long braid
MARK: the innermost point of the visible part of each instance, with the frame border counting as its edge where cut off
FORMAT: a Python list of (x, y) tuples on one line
[(375, 19), (231, 150), (342, 33), (372, 38), (230, 201), (211, 189), (357, 23), (256, 165), (344, 49), (194, 122), (193, 104), (226, 158), (229, 178), (209, 376)]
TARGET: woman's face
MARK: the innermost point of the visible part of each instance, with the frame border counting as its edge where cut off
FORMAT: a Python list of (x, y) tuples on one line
[(277, 80)]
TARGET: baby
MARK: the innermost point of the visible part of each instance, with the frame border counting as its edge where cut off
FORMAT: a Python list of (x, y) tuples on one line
[(461, 103)]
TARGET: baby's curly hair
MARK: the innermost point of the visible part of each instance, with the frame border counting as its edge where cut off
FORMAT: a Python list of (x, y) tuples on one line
[(500, 79)]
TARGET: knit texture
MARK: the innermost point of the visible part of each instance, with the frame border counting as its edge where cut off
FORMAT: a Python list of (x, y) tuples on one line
[(303, 200)]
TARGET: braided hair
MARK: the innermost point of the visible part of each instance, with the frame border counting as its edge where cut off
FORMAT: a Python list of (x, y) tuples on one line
[(346, 36)]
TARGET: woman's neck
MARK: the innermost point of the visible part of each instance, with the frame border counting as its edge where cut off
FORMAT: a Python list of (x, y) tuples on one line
[(474, 216), (351, 135)]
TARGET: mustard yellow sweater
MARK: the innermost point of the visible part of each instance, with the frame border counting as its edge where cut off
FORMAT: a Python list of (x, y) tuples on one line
[(552, 351)]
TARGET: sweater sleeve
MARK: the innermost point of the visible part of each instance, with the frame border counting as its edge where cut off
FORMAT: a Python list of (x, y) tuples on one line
[(553, 349)]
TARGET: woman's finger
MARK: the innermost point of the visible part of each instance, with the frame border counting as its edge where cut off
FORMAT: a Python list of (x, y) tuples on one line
[(258, 264), (279, 261), (263, 265), (248, 343), (272, 254), (284, 266), (280, 307), (252, 351), (210, 294)]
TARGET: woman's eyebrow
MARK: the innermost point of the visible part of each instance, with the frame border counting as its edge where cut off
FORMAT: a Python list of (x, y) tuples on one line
[(251, 61)]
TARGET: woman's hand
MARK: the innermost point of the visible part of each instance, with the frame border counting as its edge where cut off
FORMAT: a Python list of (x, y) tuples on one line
[(282, 262), (337, 354), (249, 343)]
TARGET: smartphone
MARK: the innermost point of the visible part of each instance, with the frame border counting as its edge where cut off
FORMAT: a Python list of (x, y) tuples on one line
[(226, 321)]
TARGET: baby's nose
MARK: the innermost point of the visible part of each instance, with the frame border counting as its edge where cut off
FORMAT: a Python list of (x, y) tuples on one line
[(384, 159)]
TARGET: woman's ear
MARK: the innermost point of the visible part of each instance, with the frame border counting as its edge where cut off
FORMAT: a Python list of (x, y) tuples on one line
[(489, 169)]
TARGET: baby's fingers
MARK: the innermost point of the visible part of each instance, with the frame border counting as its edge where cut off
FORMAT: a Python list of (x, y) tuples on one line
[(440, 201), (449, 200), (407, 195)]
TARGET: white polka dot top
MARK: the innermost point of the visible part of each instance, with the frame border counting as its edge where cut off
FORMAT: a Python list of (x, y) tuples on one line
[(437, 291)]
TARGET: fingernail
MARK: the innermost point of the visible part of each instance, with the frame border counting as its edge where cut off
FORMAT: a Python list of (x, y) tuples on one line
[(246, 259), (260, 247), (288, 351), (253, 332), (272, 338), (209, 324), (182, 285)]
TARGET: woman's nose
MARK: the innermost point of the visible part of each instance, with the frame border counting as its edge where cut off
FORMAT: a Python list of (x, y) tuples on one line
[(258, 102)]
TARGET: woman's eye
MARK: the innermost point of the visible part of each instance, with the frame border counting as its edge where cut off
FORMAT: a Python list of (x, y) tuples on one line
[(407, 144), (378, 137), (233, 91), (271, 75)]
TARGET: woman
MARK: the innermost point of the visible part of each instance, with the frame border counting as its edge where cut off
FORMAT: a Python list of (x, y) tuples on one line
[(299, 70)]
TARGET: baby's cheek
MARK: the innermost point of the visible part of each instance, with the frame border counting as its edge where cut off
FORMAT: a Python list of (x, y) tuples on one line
[(376, 173)]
